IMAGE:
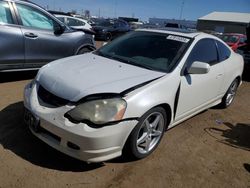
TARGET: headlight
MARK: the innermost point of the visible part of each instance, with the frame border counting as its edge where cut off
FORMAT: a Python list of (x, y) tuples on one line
[(99, 111)]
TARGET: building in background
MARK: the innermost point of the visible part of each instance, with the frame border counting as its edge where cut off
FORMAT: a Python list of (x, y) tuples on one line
[(225, 22)]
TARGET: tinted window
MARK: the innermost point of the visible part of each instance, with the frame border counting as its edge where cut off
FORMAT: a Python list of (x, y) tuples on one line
[(61, 19), (204, 51), (156, 51), (32, 17), (230, 38), (105, 23), (174, 25), (224, 52), (122, 24), (243, 40), (5, 14), (74, 22)]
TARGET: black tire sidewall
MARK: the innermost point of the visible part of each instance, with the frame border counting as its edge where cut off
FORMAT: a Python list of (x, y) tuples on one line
[(83, 51), (108, 36)]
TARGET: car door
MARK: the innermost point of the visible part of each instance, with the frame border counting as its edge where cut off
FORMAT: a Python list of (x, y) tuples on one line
[(199, 90), (11, 39), (42, 45)]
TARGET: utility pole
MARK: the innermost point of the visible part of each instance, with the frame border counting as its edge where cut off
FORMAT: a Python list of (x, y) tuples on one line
[(115, 8), (182, 6)]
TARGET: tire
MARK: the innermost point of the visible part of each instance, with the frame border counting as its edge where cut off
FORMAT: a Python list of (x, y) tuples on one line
[(108, 37), (84, 50), (147, 134), (230, 94)]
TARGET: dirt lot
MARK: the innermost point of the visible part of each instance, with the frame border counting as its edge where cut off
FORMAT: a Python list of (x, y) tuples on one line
[(211, 149)]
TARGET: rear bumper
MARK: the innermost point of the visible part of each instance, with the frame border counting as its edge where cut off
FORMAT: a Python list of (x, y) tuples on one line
[(76, 140)]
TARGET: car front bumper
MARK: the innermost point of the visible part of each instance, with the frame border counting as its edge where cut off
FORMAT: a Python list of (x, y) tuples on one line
[(81, 141)]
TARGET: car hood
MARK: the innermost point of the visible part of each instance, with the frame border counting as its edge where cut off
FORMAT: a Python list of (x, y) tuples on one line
[(76, 77)]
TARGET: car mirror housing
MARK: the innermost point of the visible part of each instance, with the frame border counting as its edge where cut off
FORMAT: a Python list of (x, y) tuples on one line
[(198, 67), (59, 29)]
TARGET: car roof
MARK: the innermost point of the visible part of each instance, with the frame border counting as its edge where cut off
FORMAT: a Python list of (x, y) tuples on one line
[(67, 16), (175, 31)]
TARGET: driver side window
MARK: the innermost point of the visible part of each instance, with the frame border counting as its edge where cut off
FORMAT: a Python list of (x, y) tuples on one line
[(204, 51), (34, 18)]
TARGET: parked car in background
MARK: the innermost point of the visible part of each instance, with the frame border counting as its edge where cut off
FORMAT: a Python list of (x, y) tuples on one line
[(124, 96), (234, 40), (31, 37), (135, 25), (108, 29), (245, 52), (75, 23), (175, 25)]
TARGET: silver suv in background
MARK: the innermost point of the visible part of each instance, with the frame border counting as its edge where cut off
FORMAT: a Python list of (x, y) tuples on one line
[(31, 37)]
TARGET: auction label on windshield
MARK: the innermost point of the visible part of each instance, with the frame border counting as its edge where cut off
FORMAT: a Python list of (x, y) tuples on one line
[(177, 38)]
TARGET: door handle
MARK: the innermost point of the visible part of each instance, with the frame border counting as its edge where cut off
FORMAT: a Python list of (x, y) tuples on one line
[(30, 35)]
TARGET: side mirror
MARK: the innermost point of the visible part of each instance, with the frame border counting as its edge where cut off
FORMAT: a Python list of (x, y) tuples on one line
[(198, 67), (59, 29)]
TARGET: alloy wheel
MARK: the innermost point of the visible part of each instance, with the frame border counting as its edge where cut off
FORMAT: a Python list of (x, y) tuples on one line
[(150, 133)]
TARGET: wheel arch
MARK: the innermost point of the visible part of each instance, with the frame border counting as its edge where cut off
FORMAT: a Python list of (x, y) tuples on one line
[(168, 111), (239, 78), (89, 46)]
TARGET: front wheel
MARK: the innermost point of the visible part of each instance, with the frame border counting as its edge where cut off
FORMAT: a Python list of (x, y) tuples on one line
[(230, 94), (147, 134)]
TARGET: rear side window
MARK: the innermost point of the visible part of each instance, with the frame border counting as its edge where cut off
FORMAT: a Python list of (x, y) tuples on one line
[(61, 19), (204, 51), (32, 17), (5, 14), (74, 22), (224, 52)]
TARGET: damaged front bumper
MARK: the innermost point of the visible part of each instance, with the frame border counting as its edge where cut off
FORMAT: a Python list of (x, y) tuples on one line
[(81, 141)]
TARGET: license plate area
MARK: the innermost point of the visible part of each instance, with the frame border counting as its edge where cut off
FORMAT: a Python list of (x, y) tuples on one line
[(31, 120)]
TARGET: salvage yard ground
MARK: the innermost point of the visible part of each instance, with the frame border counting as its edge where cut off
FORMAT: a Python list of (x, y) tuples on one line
[(211, 149)]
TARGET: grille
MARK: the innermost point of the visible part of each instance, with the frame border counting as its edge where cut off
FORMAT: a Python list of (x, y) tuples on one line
[(50, 98)]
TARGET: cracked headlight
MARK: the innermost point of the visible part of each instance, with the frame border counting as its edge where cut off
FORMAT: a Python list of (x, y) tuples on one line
[(99, 112)]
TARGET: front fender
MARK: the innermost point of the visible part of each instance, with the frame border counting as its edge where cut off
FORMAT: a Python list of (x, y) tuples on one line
[(158, 92)]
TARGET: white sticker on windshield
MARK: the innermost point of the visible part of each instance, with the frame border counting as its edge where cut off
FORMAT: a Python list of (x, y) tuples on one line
[(177, 38)]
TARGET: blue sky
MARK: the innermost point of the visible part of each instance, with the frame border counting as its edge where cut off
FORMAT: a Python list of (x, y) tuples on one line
[(143, 9)]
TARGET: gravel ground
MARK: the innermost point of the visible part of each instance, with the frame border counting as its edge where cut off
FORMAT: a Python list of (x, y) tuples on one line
[(211, 149)]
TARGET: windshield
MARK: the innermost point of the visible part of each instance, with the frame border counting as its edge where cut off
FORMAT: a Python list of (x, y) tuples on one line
[(104, 23), (230, 38), (154, 51)]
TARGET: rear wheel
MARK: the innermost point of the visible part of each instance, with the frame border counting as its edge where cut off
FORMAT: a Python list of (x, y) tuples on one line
[(230, 94), (84, 50), (148, 133), (108, 36)]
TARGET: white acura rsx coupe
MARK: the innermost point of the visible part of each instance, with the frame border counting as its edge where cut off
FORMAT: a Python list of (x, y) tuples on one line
[(129, 92)]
